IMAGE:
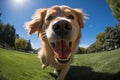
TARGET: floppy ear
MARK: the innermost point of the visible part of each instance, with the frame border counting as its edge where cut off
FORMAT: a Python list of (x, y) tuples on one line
[(80, 17), (37, 21)]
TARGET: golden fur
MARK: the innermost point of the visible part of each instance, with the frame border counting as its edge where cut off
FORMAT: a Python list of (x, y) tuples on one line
[(41, 26)]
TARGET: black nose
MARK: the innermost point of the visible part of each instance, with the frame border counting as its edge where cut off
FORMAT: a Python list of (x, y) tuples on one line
[(62, 27)]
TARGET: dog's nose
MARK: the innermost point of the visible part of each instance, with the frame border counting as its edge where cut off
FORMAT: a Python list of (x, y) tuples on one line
[(62, 27)]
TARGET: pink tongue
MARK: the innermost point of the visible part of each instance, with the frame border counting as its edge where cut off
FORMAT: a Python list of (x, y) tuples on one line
[(62, 49)]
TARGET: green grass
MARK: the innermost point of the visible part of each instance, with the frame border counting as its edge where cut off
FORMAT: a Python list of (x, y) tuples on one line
[(16, 65)]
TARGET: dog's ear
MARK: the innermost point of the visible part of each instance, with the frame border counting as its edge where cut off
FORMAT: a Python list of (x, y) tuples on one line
[(80, 17), (37, 21)]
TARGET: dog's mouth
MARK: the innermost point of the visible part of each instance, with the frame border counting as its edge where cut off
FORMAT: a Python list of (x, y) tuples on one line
[(62, 50)]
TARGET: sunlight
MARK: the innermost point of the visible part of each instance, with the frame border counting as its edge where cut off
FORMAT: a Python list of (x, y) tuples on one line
[(20, 2)]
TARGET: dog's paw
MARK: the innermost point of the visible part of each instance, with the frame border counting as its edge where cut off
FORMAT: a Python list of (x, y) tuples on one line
[(43, 66), (55, 72)]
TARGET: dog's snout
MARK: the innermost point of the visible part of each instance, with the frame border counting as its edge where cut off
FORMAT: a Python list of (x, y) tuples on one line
[(62, 27)]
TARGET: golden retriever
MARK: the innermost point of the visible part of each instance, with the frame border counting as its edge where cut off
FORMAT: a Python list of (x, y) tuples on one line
[(59, 29)]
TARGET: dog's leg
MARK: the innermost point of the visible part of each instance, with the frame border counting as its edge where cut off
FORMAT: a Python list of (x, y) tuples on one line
[(43, 58), (44, 62), (64, 72)]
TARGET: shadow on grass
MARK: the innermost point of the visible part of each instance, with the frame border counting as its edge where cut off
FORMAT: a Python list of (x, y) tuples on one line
[(3, 78), (86, 73)]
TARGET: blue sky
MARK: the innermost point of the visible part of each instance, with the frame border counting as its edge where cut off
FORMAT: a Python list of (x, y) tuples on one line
[(18, 12)]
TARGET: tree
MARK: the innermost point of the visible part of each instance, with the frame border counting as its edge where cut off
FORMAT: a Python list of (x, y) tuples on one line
[(29, 47), (0, 13), (17, 36), (117, 36), (81, 50), (21, 43), (9, 38), (100, 41), (112, 38), (107, 40), (115, 6), (7, 34), (92, 48), (1, 27)]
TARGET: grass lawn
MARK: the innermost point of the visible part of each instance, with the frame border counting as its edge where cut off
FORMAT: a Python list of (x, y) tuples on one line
[(16, 65)]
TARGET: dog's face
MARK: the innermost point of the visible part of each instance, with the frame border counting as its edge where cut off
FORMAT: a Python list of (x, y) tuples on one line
[(61, 25)]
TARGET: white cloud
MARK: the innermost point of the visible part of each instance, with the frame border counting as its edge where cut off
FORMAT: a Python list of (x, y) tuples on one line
[(84, 45)]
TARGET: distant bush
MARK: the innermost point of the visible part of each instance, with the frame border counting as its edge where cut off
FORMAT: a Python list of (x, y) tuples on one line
[(107, 40), (23, 44)]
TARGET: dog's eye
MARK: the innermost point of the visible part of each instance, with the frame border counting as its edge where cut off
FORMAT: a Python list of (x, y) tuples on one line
[(50, 17), (70, 17)]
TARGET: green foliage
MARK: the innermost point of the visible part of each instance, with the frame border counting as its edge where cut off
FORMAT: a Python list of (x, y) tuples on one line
[(107, 40), (29, 47), (7, 34), (9, 38), (98, 45), (115, 6), (112, 38), (91, 48), (21, 43), (100, 40), (16, 65), (81, 50)]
